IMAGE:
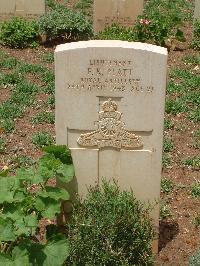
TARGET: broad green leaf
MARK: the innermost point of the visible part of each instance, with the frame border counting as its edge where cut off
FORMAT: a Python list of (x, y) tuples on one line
[(56, 251), (60, 152), (55, 193), (6, 230), (6, 196), (12, 211), (20, 256), (65, 173), (26, 225), (48, 207), (5, 260)]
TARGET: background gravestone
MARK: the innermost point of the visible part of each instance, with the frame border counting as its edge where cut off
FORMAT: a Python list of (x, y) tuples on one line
[(123, 12), (25, 8), (110, 99), (197, 9)]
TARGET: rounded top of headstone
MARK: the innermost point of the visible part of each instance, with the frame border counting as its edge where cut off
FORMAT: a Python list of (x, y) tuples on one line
[(112, 44)]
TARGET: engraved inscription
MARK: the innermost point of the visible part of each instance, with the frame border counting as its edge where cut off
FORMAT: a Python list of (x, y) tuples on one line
[(124, 21), (110, 75), (111, 131)]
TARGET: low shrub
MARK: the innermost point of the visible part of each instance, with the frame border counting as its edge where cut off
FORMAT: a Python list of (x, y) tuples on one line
[(18, 33), (196, 35), (110, 228), (64, 23)]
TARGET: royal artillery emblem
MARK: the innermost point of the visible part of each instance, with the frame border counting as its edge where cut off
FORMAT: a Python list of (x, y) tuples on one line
[(110, 131)]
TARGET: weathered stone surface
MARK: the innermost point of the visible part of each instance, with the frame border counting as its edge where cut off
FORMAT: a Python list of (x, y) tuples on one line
[(25, 8), (123, 12), (110, 99)]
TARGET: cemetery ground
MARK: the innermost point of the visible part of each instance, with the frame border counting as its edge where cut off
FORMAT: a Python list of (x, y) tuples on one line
[(29, 125)]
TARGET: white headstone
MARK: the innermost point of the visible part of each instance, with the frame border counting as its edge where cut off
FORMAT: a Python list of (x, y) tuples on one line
[(110, 98), (122, 12), (25, 8), (197, 9)]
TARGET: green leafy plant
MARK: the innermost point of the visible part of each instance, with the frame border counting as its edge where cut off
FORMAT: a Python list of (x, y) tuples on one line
[(43, 117), (25, 199), (48, 57), (195, 259), (168, 124), (2, 145), (166, 185), (167, 145), (42, 139), (166, 160), (64, 23), (195, 189), (165, 211), (18, 32), (196, 35), (110, 227), (117, 32), (84, 6), (193, 162)]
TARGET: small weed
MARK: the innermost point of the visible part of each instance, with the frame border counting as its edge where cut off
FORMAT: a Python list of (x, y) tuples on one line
[(174, 87), (166, 160), (42, 139), (196, 142), (193, 162), (166, 185), (196, 221), (196, 35), (165, 211), (8, 63), (167, 145), (51, 100), (175, 107), (194, 115), (43, 117), (195, 189), (7, 125), (195, 259), (2, 145), (192, 59), (168, 124), (23, 161), (48, 57)]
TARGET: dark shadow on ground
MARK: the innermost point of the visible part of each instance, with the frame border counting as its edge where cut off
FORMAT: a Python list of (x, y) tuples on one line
[(167, 231)]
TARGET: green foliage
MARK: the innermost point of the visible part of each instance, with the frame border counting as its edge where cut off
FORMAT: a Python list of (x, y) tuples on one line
[(48, 57), (196, 36), (116, 32), (166, 185), (167, 145), (23, 206), (2, 145), (18, 32), (193, 162), (165, 211), (192, 59), (195, 189), (64, 23), (43, 117), (168, 124), (22, 161), (166, 160), (160, 21), (196, 141), (195, 259), (84, 6), (42, 139), (110, 227)]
